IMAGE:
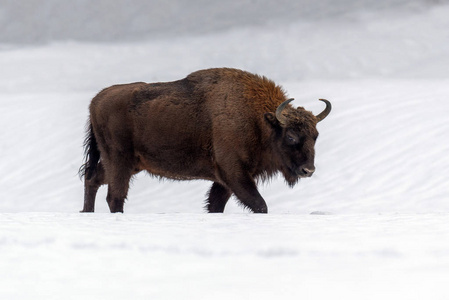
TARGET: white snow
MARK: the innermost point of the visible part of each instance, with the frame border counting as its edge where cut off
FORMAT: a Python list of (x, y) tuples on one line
[(373, 222), (239, 256)]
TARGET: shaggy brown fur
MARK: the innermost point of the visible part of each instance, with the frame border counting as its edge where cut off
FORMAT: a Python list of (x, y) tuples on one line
[(215, 124)]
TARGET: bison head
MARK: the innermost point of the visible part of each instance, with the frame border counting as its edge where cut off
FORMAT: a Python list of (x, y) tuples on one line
[(294, 137)]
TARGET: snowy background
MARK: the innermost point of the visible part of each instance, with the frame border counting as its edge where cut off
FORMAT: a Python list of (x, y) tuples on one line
[(373, 222)]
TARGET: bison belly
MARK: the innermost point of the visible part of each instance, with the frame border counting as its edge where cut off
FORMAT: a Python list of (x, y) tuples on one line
[(171, 140)]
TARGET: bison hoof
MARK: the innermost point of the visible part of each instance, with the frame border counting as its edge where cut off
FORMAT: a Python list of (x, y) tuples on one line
[(261, 210)]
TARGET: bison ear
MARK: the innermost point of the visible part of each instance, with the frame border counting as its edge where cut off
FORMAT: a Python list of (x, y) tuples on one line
[(271, 118)]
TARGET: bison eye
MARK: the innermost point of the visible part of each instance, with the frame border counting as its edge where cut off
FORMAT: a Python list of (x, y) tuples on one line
[(291, 140)]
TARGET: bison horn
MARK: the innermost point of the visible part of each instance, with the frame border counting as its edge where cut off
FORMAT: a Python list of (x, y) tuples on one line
[(325, 112), (279, 116)]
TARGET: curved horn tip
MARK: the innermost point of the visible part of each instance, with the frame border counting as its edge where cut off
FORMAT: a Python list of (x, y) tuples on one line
[(326, 111), (279, 116)]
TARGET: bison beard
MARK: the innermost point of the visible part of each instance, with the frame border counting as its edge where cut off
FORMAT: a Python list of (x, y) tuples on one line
[(224, 125)]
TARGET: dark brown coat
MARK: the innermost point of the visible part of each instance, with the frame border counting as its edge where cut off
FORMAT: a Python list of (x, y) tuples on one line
[(224, 125)]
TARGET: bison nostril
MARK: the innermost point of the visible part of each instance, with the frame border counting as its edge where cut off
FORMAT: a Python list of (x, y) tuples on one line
[(308, 171)]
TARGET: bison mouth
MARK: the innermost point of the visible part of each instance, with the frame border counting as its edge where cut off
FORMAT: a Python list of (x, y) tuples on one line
[(293, 174)]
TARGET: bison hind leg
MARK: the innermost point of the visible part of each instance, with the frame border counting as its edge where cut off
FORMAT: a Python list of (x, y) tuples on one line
[(91, 185), (218, 196), (118, 187), (119, 169)]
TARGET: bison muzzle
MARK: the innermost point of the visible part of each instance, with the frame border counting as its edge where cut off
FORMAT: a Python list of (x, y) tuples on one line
[(225, 125)]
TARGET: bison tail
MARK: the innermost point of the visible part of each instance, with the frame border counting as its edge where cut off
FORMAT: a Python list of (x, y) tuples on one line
[(91, 154)]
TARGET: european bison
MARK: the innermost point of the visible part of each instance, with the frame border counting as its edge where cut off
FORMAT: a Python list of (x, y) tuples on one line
[(224, 125)]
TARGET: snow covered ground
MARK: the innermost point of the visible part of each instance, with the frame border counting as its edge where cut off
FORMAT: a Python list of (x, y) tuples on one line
[(238, 256), (371, 223)]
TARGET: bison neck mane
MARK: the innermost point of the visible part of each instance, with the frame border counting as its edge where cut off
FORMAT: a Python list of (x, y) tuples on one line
[(241, 100)]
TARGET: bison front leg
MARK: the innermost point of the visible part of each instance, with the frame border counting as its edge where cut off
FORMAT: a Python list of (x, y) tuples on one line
[(245, 189), (218, 197)]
